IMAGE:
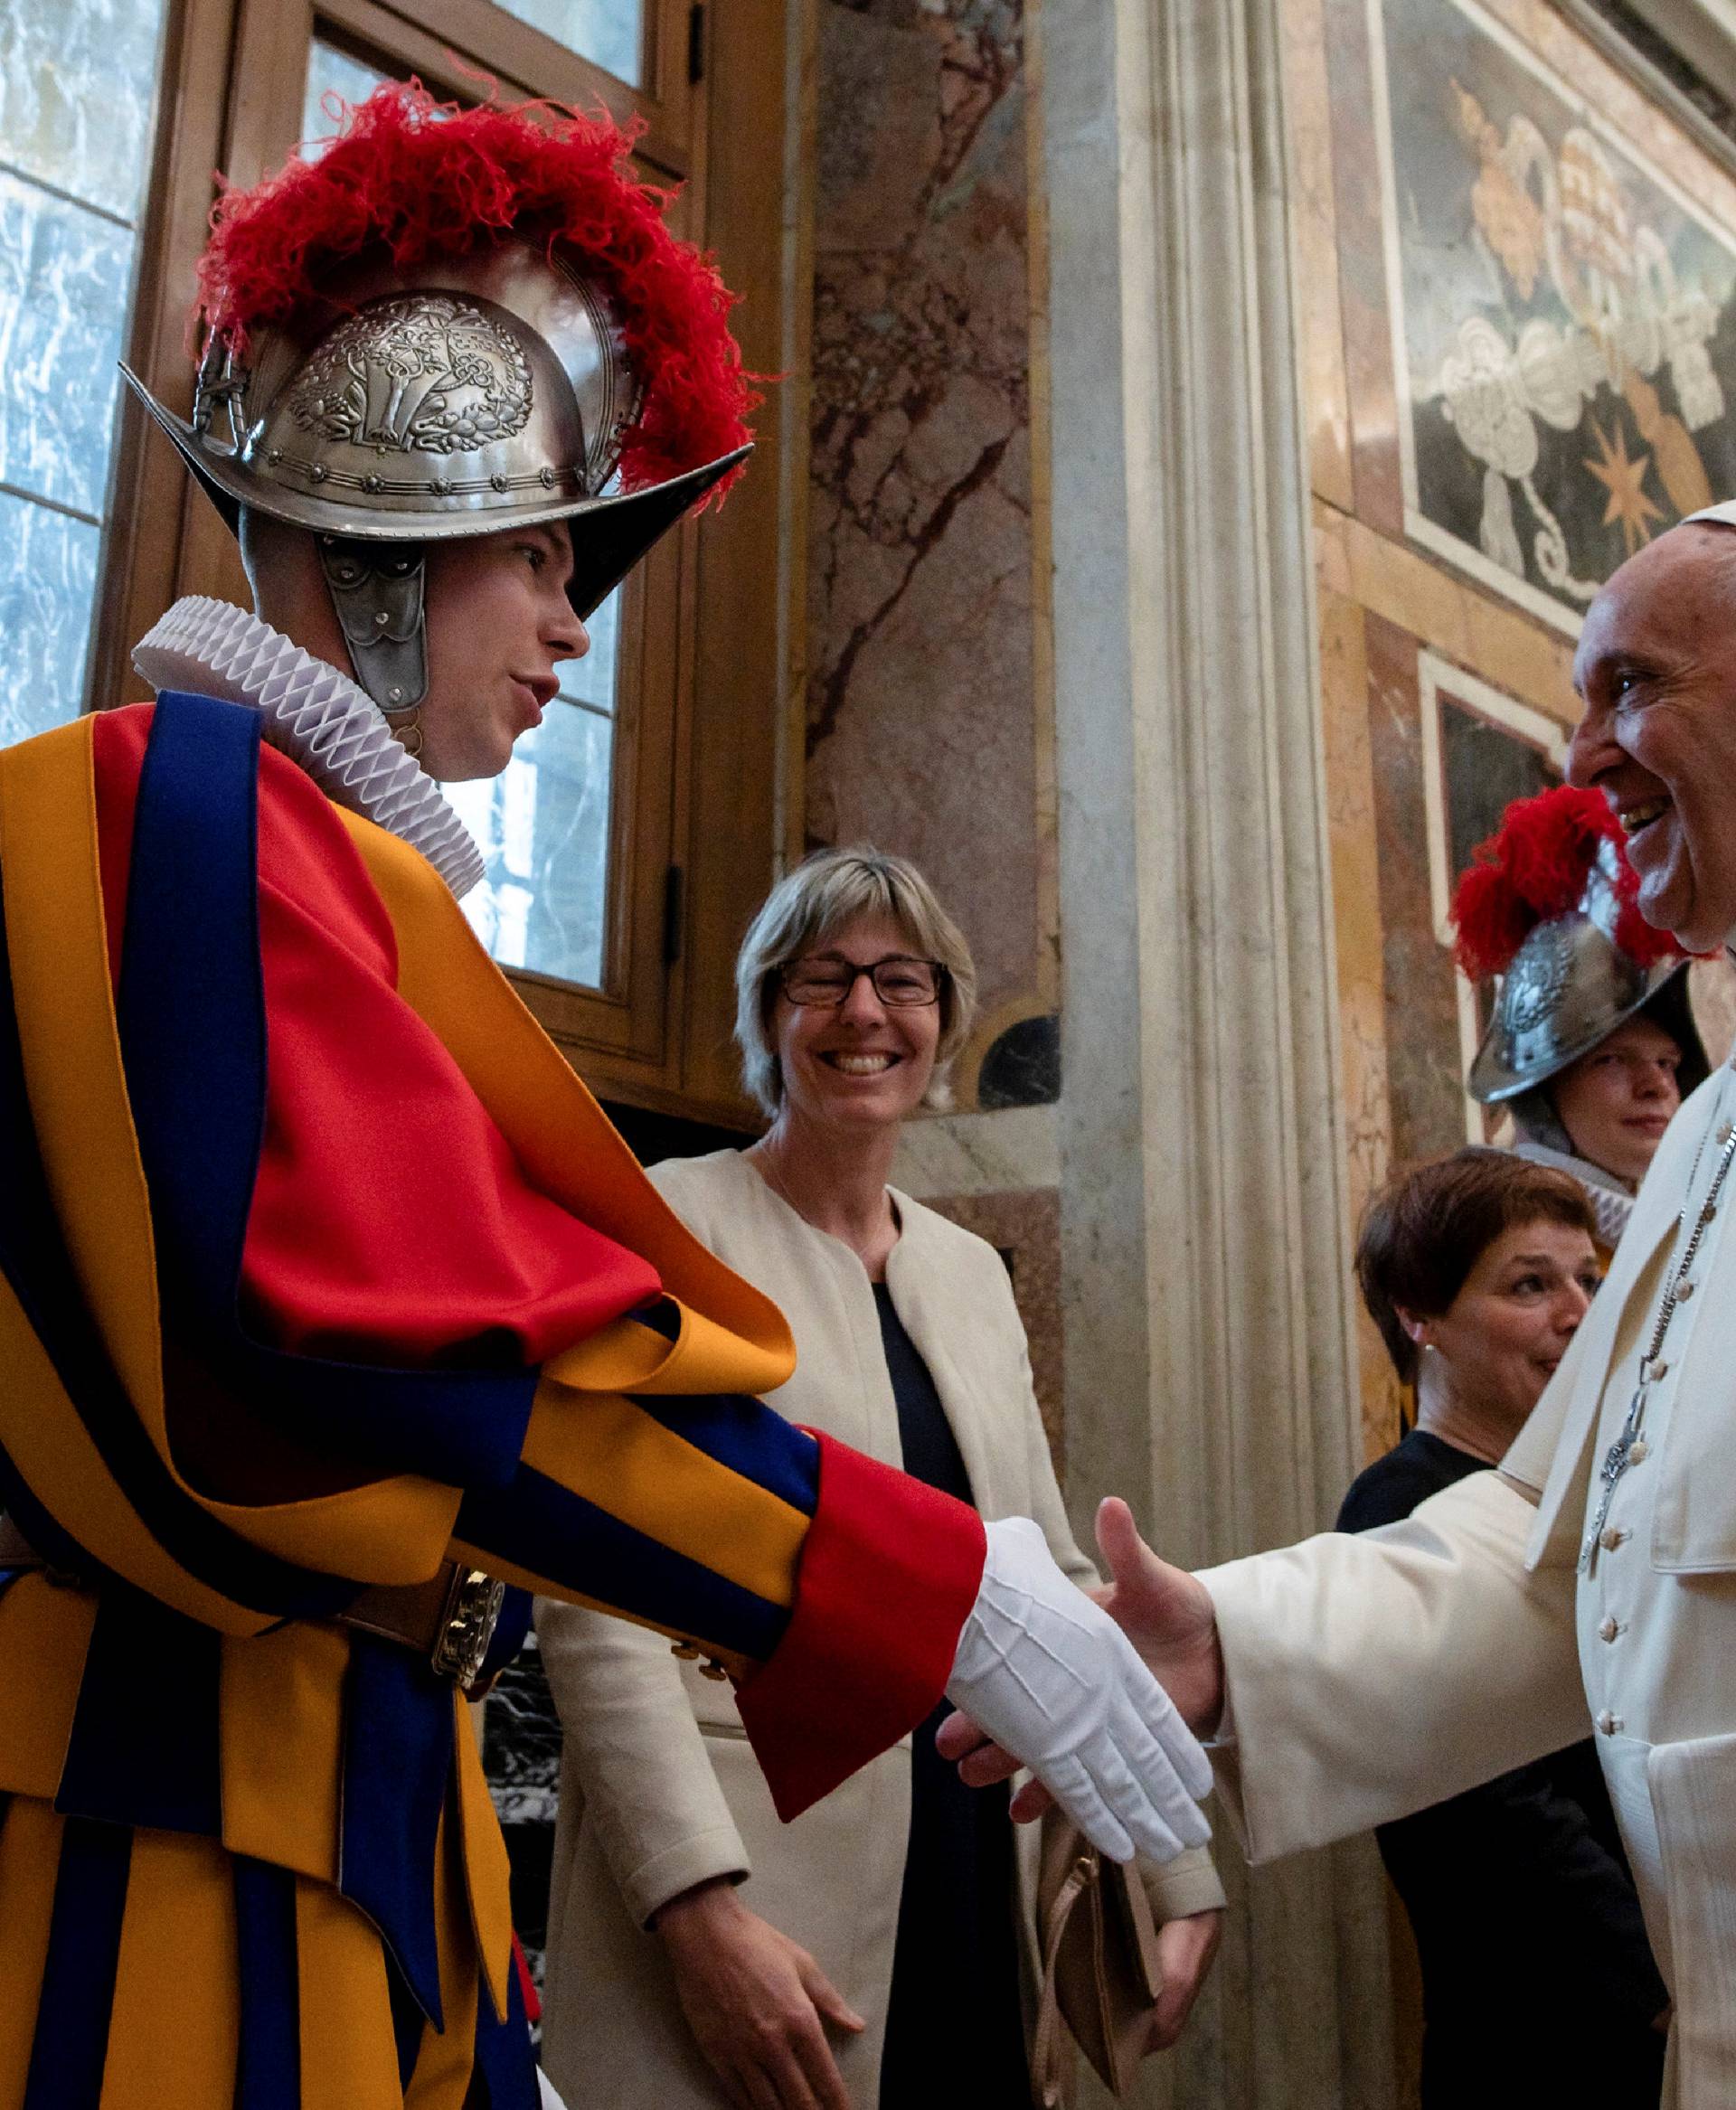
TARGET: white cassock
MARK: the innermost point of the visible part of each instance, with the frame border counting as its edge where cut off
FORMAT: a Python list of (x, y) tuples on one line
[(1371, 1676)]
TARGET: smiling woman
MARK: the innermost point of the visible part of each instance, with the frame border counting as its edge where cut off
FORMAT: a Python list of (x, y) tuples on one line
[(1477, 1270), (876, 1954)]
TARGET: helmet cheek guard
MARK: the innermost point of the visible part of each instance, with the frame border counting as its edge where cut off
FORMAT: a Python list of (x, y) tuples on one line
[(377, 591)]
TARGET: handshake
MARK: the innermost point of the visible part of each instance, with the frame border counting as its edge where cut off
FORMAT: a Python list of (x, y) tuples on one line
[(1046, 1678)]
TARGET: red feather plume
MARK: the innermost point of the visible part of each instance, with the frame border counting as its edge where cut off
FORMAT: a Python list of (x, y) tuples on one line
[(414, 180), (1535, 868)]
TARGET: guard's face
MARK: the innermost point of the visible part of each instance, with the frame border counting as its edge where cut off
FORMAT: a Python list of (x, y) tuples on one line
[(498, 621), (1656, 671), (1616, 1102)]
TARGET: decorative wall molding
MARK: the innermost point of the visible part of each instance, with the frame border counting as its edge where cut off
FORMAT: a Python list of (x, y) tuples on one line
[(1210, 1371), (1681, 53)]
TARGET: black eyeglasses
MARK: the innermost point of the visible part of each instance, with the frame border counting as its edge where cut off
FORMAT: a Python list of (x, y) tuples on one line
[(824, 984)]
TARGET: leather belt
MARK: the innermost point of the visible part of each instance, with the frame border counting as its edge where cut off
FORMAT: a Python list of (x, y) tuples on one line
[(451, 1618)]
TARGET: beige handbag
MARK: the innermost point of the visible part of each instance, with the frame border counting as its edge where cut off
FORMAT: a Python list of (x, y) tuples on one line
[(1100, 1972)]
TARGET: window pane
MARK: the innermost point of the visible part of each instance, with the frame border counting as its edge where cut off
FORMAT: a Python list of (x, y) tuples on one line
[(48, 580), (78, 85), (544, 826), (332, 73), (63, 279), (611, 33), (78, 79)]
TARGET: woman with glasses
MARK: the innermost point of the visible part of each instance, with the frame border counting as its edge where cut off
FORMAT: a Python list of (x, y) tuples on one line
[(880, 1949)]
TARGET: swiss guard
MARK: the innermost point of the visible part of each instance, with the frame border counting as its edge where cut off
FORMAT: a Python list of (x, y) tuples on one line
[(330, 1302)]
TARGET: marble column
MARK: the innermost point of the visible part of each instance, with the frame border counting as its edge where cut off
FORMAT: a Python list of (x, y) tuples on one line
[(1210, 1371)]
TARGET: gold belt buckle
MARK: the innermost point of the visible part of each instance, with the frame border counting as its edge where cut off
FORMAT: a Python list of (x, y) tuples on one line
[(468, 1626)]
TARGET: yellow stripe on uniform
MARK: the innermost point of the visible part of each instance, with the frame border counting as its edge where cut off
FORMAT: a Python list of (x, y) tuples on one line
[(281, 1726), (617, 1455), (177, 1948), (30, 1860), (349, 2055), (44, 1636), (58, 942), (487, 1872)]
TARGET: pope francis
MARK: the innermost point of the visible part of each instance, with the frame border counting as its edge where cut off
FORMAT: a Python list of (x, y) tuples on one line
[(1350, 1681)]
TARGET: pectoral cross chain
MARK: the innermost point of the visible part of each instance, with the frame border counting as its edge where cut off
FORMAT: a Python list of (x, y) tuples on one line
[(1615, 1461), (1628, 1450)]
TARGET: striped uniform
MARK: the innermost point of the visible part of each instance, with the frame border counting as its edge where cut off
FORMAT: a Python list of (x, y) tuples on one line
[(319, 1266)]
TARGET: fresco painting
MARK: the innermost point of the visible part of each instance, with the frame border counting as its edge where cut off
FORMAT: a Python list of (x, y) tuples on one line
[(1563, 316)]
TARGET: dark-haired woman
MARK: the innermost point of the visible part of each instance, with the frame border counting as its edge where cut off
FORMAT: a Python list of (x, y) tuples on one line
[(1477, 1270)]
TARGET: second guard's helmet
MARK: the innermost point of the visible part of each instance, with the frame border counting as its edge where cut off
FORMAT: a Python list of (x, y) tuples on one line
[(1549, 904)]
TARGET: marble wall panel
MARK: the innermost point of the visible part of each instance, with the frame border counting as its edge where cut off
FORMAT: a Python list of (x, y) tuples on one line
[(923, 722), (1320, 323), (1360, 269), (1421, 1000), (1361, 967)]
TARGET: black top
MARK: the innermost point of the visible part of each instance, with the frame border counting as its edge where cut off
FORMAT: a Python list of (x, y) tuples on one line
[(1538, 1983), (954, 2033)]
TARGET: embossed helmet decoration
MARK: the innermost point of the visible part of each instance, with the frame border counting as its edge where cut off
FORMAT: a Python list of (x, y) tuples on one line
[(1550, 904), (452, 323)]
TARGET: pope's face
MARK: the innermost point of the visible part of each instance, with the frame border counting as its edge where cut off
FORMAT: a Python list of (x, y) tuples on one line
[(498, 621), (1656, 672)]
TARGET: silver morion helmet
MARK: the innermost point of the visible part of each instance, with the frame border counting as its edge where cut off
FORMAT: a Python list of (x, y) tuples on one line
[(1568, 977), (424, 376)]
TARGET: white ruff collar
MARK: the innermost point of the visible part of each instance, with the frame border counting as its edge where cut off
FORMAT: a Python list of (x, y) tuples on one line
[(317, 716)]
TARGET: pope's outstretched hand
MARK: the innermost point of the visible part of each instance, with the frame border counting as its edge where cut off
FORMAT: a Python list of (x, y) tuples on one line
[(1055, 1685), (1167, 1615)]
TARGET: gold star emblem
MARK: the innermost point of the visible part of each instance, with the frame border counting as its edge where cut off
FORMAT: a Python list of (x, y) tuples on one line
[(1625, 480)]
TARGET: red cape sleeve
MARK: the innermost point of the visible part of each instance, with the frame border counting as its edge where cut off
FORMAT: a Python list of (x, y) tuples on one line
[(390, 1220)]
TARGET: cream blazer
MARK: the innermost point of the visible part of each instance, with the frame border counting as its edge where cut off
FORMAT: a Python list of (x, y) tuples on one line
[(1370, 1676), (658, 1788)]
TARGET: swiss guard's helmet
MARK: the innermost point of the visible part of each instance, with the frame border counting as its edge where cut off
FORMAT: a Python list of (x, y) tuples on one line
[(1550, 904), (452, 323)]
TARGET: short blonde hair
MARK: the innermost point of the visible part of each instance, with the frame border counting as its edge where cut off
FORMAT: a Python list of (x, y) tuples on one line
[(827, 891)]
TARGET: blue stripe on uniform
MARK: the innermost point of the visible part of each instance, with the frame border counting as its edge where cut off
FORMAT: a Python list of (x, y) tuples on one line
[(505, 2075), (71, 2045), (540, 1525), (398, 1727), (194, 1030), (268, 2063), (144, 1748)]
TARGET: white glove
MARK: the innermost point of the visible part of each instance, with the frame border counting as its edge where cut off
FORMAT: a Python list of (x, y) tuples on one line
[(1054, 1681)]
